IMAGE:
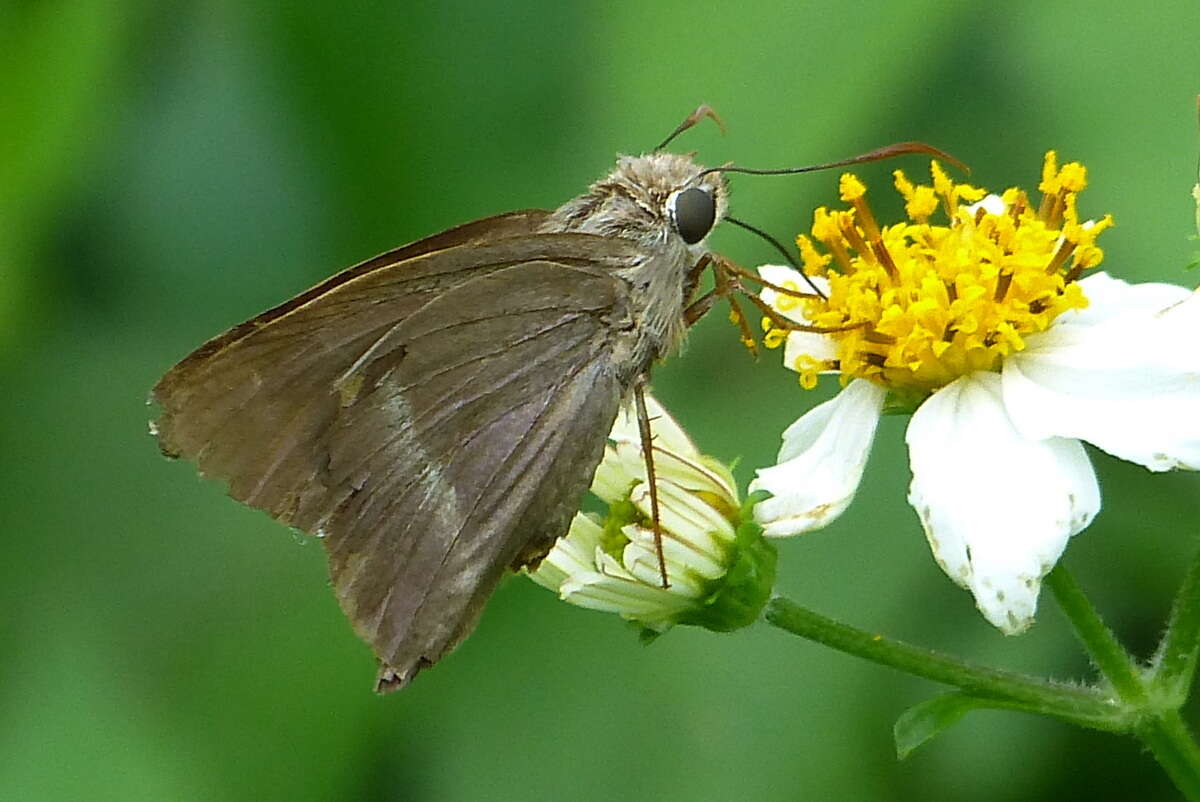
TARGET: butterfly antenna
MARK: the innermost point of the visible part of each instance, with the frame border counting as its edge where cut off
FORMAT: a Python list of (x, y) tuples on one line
[(759, 232), (702, 111), (779, 247), (879, 154)]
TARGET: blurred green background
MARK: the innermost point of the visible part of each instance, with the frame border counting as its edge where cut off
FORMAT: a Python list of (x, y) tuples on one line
[(169, 169)]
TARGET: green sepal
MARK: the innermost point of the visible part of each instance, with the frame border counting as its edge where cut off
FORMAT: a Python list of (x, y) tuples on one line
[(741, 594), (903, 402), (922, 722), (647, 635), (746, 513)]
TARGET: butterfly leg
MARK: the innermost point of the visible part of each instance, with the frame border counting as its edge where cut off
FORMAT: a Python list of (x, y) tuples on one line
[(699, 307), (648, 455), (726, 283)]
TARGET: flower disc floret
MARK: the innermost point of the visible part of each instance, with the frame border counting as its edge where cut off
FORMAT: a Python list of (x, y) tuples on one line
[(915, 305)]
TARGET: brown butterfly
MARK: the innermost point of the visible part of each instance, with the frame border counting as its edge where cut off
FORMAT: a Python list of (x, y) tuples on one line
[(434, 414)]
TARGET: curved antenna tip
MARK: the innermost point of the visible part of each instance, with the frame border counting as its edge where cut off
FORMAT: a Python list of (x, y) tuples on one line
[(702, 111)]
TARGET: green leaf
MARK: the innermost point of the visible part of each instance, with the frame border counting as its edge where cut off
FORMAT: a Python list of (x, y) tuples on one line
[(920, 723)]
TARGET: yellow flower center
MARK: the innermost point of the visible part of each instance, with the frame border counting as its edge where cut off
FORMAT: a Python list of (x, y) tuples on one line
[(914, 305)]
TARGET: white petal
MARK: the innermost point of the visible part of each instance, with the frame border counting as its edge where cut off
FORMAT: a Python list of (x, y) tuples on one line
[(799, 343), (667, 432), (612, 479), (614, 595), (691, 473), (992, 204), (1128, 382), (623, 462), (997, 508), (680, 555), (820, 347), (625, 466), (687, 518), (1181, 322), (782, 276), (571, 554), (687, 579), (1110, 298), (821, 462)]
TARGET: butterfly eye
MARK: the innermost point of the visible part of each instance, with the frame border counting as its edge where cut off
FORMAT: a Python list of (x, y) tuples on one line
[(693, 211)]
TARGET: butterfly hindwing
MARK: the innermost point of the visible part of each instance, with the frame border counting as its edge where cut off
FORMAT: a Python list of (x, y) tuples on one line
[(471, 463)]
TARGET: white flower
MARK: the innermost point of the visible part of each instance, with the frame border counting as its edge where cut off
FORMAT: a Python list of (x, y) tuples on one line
[(1000, 477), (1000, 480), (612, 564)]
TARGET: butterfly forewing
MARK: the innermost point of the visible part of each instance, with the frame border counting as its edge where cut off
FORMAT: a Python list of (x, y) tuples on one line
[(267, 381), (443, 434)]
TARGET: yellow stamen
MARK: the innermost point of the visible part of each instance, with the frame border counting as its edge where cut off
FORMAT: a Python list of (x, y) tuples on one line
[(850, 188), (914, 305), (1060, 257), (1049, 183), (774, 337), (919, 202), (814, 262)]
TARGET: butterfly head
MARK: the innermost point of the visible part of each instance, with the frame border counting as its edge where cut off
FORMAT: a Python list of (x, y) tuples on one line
[(656, 199)]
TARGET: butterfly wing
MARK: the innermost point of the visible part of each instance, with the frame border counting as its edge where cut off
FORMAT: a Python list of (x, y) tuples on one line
[(435, 419), (251, 405), (483, 457)]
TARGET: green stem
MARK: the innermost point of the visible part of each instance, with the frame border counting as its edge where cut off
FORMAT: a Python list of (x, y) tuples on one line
[(1082, 706), (1102, 646), (1176, 659), (1168, 739), (1159, 725)]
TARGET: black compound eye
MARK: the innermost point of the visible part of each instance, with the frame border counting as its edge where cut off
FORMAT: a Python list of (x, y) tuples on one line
[(695, 211)]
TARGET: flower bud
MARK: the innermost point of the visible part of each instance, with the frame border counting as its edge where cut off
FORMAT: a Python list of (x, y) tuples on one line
[(719, 569)]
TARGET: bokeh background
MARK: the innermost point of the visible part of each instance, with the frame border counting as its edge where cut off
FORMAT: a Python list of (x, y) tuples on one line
[(169, 169)]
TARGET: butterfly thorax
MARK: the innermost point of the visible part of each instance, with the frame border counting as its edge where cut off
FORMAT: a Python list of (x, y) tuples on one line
[(634, 202)]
